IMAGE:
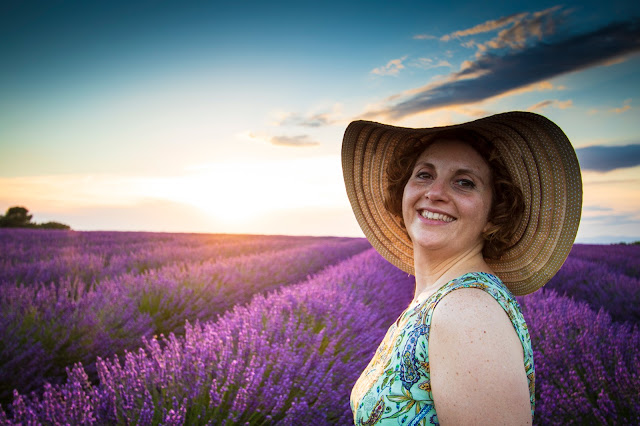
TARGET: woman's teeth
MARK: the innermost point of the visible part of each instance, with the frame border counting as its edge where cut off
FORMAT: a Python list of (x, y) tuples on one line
[(436, 216)]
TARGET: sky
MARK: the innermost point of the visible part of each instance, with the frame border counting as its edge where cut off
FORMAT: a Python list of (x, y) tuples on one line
[(228, 117)]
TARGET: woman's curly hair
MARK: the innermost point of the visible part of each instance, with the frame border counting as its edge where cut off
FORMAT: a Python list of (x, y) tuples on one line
[(507, 207)]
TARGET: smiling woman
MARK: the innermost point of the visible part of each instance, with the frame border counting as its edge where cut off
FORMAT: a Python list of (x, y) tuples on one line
[(461, 353)]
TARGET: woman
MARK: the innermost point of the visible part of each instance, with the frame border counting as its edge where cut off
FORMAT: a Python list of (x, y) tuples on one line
[(478, 212)]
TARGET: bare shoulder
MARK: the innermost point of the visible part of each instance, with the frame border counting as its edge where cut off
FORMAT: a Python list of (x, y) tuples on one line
[(476, 306), (476, 362)]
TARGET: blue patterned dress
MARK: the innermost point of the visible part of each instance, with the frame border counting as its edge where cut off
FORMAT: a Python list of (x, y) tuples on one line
[(395, 388)]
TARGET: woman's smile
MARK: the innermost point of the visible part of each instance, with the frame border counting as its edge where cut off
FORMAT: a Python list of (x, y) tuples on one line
[(435, 216)]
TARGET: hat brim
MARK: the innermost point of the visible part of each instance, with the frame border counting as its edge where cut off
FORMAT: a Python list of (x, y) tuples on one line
[(539, 158)]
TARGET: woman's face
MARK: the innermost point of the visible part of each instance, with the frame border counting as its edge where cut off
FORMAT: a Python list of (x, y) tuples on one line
[(446, 202)]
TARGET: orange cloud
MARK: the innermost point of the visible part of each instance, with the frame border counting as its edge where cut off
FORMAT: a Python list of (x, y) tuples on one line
[(624, 108), (551, 103), (392, 67)]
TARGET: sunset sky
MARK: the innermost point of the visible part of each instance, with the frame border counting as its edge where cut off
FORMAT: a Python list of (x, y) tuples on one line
[(207, 116)]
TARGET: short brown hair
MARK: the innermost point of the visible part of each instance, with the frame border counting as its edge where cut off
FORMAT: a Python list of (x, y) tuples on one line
[(507, 206)]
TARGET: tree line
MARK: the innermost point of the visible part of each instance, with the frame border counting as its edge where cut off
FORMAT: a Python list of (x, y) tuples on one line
[(19, 217)]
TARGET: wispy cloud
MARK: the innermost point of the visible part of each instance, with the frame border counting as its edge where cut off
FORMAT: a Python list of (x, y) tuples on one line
[(551, 103), (626, 106), (606, 158), (299, 140), (487, 26), (490, 75), (428, 63), (617, 219), (313, 120), (424, 37), (392, 67), (530, 27), (520, 26), (281, 140)]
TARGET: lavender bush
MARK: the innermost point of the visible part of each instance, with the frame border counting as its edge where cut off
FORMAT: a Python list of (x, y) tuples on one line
[(292, 354), (30, 256), (621, 257), (587, 367), (290, 357), (44, 328), (605, 277)]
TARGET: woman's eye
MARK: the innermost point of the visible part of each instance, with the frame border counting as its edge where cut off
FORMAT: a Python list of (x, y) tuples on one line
[(466, 183), (423, 175)]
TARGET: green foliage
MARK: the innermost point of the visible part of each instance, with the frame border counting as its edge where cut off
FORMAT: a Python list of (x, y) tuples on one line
[(16, 217), (53, 225), (19, 217)]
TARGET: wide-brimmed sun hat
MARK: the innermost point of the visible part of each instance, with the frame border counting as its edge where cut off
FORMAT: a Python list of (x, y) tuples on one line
[(540, 160)]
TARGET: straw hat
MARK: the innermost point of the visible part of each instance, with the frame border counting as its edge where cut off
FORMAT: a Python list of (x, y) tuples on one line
[(540, 160)]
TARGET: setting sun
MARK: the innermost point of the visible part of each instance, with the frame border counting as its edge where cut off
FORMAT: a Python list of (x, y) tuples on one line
[(243, 192)]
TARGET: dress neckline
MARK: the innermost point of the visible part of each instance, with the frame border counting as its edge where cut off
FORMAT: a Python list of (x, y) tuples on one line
[(421, 299)]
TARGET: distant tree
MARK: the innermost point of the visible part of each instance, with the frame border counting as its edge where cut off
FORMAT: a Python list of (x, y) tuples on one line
[(16, 217), (19, 217), (53, 225)]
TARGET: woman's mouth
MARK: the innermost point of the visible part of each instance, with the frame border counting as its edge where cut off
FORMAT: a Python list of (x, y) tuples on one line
[(436, 216)]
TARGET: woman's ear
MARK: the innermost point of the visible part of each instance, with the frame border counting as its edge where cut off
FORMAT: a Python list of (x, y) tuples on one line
[(487, 227)]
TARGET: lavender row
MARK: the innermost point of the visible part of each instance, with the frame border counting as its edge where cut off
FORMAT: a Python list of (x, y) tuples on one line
[(36, 256), (621, 258), (34, 245), (43, 328), (587, 367), (600, 284), (290, 357)]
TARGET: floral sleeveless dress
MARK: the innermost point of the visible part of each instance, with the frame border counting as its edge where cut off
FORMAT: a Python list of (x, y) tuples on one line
[(395, 388)]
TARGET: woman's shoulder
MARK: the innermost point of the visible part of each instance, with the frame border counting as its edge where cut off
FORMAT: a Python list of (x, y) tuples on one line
[(473, 346), (470, 306)]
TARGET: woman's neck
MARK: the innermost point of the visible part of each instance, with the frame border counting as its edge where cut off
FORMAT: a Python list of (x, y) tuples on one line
[(433, 271)]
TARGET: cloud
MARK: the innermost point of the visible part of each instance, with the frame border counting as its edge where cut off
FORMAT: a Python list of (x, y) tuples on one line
[(551, 103), (596, 209), (520, 29), (393, 67), (491, 75), (300, 140), (427, 63), (536, 26), (314, 120), (282, 140), (606, 158), (624, 108), (424, 37), (486, 26), (609, 218)]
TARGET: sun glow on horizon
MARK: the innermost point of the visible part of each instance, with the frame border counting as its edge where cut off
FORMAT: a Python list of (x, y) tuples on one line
[(234, 193), (239, 192)]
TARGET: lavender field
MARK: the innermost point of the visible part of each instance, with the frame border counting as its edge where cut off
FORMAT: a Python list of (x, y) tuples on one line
[(146, 328)]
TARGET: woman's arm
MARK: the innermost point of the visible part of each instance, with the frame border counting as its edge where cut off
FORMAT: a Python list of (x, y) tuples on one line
[(476, 362)]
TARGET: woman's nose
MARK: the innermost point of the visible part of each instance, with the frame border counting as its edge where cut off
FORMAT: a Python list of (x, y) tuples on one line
[(437, 191)]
